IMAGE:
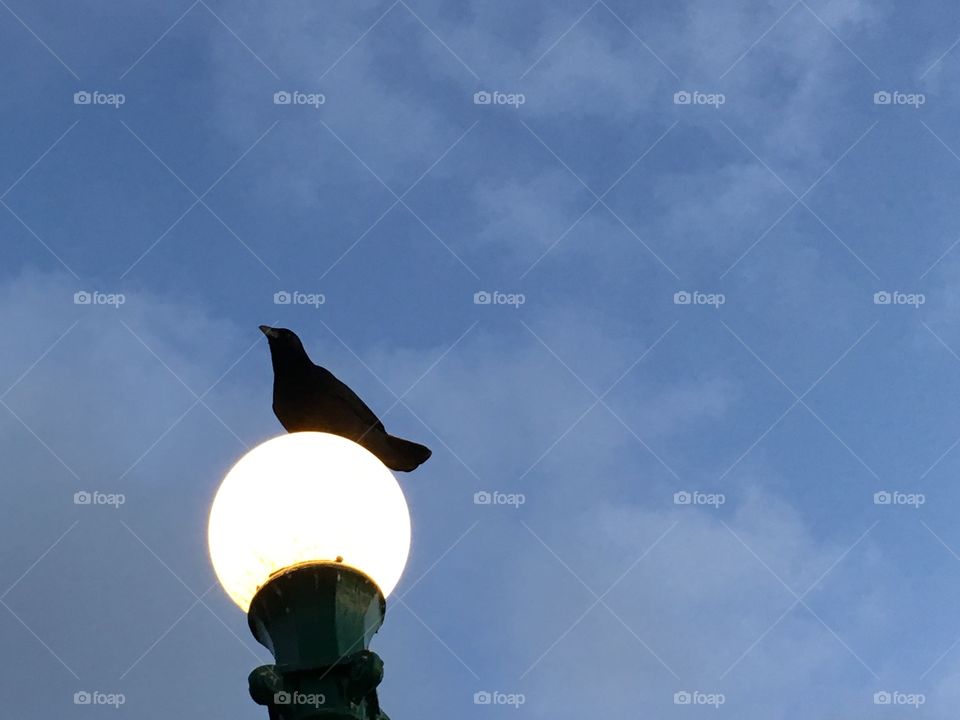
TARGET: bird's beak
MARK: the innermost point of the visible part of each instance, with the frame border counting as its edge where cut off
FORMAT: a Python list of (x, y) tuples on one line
[(268, 331)]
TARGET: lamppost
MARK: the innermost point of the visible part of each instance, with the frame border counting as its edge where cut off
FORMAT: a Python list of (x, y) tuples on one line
[(308, 534)]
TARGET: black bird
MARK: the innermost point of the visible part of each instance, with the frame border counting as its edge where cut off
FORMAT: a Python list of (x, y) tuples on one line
[(309, 397)]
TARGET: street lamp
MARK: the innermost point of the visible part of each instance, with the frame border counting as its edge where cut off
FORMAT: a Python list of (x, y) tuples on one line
[(308, 534)]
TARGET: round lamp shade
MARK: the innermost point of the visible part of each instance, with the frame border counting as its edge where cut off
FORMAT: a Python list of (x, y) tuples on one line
[(307, 497)]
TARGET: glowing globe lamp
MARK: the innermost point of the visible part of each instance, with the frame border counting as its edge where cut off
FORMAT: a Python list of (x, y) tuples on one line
[(308, 533)]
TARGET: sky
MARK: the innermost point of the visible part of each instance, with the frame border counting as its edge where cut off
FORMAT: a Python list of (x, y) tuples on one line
[(672, 285)]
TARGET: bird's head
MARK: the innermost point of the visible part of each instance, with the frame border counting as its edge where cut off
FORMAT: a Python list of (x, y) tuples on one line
[(283, 342)]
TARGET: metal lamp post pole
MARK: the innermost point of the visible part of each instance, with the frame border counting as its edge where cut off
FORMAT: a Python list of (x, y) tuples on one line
[(317, 620)]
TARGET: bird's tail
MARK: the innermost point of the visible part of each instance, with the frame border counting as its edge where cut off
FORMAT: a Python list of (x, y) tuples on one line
[(403, 455)]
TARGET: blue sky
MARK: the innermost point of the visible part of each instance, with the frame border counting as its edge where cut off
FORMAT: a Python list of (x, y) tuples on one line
[(782, 199)]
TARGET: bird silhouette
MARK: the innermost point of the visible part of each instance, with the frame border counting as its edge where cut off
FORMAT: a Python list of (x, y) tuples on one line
[(309, 397)]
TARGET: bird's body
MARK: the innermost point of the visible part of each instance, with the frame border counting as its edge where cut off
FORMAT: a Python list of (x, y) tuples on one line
[(307, 397)]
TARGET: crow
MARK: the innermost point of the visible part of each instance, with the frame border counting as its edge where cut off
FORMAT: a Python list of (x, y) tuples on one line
[(309, 397)]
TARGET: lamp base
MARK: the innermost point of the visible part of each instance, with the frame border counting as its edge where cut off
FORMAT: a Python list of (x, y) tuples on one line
[(317, 620)]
